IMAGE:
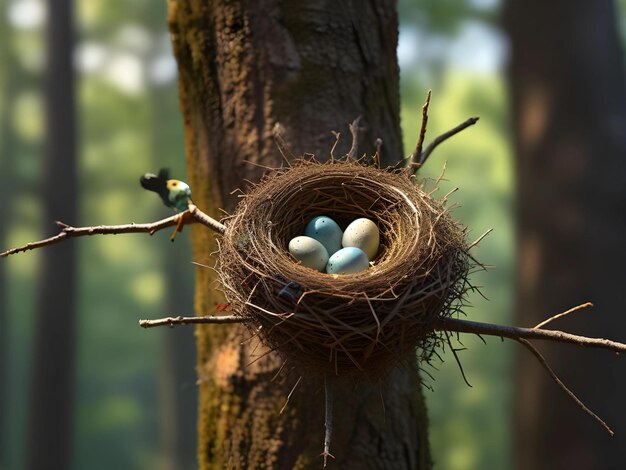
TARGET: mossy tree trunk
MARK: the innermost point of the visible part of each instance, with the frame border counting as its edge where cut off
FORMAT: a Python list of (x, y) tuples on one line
[(569, 105), (313, 66)]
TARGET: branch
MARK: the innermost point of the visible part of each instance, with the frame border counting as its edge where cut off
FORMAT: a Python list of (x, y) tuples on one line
[(172, 321), (514, 332), (446, 135), (523, 335), (190, 216)]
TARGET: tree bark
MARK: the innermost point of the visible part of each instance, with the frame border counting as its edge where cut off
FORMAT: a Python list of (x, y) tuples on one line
[(50, 427), (569, 106), (314, 67)]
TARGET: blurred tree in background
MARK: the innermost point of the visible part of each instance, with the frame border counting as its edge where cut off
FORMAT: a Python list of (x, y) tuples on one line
[(51, 407), (568, 89)]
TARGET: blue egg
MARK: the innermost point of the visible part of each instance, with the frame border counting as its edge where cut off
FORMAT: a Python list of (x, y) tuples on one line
[(326, 231), (347, 261)]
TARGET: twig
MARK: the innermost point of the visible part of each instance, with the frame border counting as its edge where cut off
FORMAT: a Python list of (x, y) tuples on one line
[(414, 158), (378, 143), (567, 312), (328, 421), (332, 150), (172, 321), (446, 135), (289, 396), (514, 332), (479, 239), (281, 143), (354, 130), (190, 216), (456, 358), (558, 381)]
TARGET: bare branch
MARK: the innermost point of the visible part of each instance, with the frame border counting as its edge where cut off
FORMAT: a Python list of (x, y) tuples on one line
[(172, 321), (558, 381), (73, 232), (567, 312), (190, 216), (446, 135), (514, 332)]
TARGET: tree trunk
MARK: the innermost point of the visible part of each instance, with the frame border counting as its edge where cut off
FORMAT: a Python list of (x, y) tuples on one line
[(50, 429), (569, 105), (314, 67)]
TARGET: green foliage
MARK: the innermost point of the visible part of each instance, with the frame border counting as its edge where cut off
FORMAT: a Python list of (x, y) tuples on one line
[(470, 427)]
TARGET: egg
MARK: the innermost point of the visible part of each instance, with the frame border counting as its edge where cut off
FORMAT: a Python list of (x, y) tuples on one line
[(326, 231), (364, 234), (309, 252), (347, 261)]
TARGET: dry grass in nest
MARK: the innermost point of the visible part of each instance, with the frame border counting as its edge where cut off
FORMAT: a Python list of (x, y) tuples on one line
[(350, 325)]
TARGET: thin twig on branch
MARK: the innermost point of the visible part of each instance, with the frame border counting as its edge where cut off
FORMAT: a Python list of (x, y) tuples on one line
[(328, 421), (283, 147), (415, 156), (190, 216), (445, 136), (172, 321), (354, 130), (559, 315), (546, 366)]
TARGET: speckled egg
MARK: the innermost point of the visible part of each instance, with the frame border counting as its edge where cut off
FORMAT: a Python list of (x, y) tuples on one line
[(364, 234), (309, 252), (326, 231), (347, 261)]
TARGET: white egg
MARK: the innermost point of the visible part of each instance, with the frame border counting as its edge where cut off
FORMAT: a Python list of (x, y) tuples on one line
[(309, 252), (326, 231), (347, 261), (364, 234)]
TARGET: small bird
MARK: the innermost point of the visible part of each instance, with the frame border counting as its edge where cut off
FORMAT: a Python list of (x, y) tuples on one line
[(174, 193)]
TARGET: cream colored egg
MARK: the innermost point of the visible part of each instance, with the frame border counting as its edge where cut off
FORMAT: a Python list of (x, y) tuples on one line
[(364, 234), (309, 252)]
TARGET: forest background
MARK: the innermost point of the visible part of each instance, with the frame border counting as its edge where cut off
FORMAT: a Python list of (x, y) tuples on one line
[(135, 394)]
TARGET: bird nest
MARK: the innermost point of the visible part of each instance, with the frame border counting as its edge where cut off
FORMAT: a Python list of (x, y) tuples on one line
[(354, 324)]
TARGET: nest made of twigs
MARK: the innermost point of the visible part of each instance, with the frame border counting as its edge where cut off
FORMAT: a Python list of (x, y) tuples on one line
[(354, 324)]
